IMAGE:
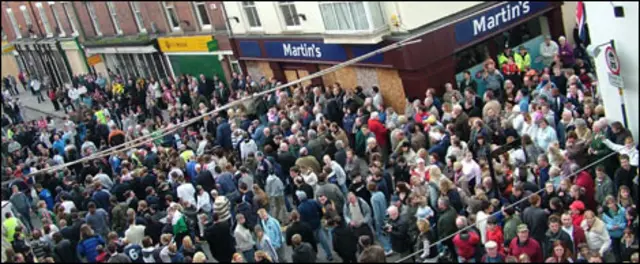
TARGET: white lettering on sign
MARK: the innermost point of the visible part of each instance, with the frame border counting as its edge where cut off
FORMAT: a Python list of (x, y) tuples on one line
[(302, 50), (506, 14)]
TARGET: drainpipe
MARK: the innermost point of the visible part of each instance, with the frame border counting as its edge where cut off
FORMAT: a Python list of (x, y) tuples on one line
[(230, 36), (81, 31)]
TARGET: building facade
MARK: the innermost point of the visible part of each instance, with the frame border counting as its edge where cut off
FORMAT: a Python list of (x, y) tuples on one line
[(601, 20), (292, 39), (147, 39)]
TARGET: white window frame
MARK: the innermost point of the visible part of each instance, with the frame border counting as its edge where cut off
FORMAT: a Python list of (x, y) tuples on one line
[(94, 17), (166, 8), (370, 22), (196, 4), (25, 13), (137, 15), (45, 19), (113, 13), (57, 18), (245, 8), (14, 23), (71, 17), (292, 7)]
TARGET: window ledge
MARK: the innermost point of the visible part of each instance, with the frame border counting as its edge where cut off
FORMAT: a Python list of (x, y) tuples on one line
[(356, 37)]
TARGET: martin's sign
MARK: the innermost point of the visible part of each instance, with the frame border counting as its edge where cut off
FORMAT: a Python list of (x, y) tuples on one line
[(305, 50), (496, 18)]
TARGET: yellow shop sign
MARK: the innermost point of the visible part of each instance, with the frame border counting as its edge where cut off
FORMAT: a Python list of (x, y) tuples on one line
[(184, 44)]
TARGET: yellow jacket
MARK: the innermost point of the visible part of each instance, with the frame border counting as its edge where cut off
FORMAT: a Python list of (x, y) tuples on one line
[(523, 63), (118, 88)]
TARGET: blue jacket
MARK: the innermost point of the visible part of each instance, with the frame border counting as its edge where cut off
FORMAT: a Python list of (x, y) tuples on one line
[(348, 122), (310, 212), (379, 206), (227, 185), (258, 135), (58, 145), (272, 230), (441, 147), (87, 248), (544, 176), (223, 135), (102, 199), (191, 170), (610, 219), (48, 198)]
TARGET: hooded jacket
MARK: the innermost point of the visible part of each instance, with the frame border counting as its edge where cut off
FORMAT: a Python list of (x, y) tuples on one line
[(466, 243), (550, 238), (612, 219), (303, 254), (310, 210)]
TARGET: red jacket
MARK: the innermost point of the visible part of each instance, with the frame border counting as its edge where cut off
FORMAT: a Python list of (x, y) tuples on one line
[(496, 236), (584, 180), (379, 130), (531, 248), (578, 237), (466, 248)]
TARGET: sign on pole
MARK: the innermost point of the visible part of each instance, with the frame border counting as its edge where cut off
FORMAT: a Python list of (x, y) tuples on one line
[(613, 62)]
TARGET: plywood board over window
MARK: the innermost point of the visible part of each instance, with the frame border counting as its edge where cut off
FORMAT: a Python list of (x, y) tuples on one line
[(392, 89), (367, 78), (347, 77)]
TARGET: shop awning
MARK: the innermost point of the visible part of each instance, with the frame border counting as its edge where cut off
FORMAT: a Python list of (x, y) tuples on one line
[(122, 50)]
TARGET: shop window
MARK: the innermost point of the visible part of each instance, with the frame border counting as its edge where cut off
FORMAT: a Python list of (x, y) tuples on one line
[(44, 19), (56, 17), (137, 14), (289, 13), (252, 14), (346, 17), (202, 15), (94, 18), (491, 47), (14, 23)]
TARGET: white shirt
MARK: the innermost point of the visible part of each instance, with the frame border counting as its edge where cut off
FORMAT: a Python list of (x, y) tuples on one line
[(204, 202), (68, 205), (247, 147), (187, 192), (135, 234), (481, 219)]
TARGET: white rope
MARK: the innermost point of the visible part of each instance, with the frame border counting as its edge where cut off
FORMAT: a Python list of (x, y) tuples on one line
[(498, 212), (166, 131)]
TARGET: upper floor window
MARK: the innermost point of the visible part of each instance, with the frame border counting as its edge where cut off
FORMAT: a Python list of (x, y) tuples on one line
[(252, 14), (25, 13), (114, 17), (172, 16), (137, 14), (45, 19), (289, 13), (56, 17), (14, 23), (71, 17), (346, 17), (94, 18), (202, 15)]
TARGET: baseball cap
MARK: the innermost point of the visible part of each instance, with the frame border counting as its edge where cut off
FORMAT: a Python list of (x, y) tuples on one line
[(523, 228), (577, 205)]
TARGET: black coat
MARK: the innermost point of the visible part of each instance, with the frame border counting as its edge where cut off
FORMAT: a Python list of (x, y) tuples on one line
[(63, 252), (305, 232), (399, 235), (220, 241), (345, 243), (303, 254), (205, 178)]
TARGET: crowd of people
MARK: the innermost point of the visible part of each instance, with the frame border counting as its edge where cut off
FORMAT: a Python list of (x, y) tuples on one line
[(529, 171)]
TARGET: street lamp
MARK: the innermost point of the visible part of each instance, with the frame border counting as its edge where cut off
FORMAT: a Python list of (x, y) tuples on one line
[(594, 50)]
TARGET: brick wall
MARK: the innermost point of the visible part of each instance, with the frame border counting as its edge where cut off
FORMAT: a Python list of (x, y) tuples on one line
[(62, 17), (152, 12), (84, 20), (125, 18)]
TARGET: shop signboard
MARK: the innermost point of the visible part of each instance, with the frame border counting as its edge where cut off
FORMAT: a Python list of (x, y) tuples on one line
[(185, 44), (94, 59), (495, 19), (300, 50)]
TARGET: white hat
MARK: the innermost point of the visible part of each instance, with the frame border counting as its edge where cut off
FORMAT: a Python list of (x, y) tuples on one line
[(516, 108), (491, 244)]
